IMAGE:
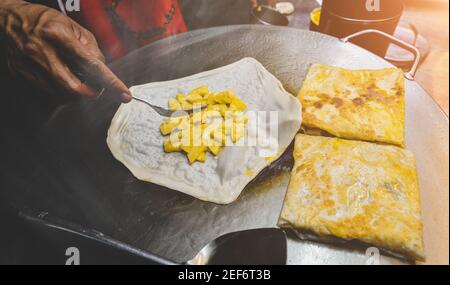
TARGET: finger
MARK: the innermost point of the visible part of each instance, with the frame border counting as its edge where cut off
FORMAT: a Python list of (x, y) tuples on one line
[(100, 71), (63, 78), (70, 83), (88, 40), (96, 69), (95, 50)]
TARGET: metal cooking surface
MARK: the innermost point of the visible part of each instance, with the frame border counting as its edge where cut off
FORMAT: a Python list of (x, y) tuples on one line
[(79, 180)]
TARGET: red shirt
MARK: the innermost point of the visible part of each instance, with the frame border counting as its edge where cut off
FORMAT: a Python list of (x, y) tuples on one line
[(131, 23)]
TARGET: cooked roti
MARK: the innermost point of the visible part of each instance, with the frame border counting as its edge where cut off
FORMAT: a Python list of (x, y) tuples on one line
[(135, 139), (355, 190), (355, 104)]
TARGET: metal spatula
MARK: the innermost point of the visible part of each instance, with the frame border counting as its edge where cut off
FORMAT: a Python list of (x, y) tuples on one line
[(251, 247), (168, 113)]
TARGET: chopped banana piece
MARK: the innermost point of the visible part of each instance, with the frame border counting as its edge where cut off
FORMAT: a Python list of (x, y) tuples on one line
[(187, 149), (203, 91), (221, 108), (174, 105), (195, 153), (180, 97), (202, 157), (194, 98), (170, 147), (168, 126), (225, 97), (216, 150), (210, 101), (185, 105), (238, 104)]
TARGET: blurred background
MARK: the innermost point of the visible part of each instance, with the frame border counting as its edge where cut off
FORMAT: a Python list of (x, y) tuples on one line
[(431, 19), (425, 22)]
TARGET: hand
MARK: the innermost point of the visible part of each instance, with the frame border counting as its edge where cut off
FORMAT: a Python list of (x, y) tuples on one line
[(49, 49)]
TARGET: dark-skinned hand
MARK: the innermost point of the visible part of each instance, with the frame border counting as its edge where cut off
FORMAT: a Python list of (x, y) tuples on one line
[(52, 51)]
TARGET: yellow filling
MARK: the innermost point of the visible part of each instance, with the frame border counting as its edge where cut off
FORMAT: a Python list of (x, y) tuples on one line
[(216, 117)]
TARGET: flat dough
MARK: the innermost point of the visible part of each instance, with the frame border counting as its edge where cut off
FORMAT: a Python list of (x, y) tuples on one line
[(135, 140)]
